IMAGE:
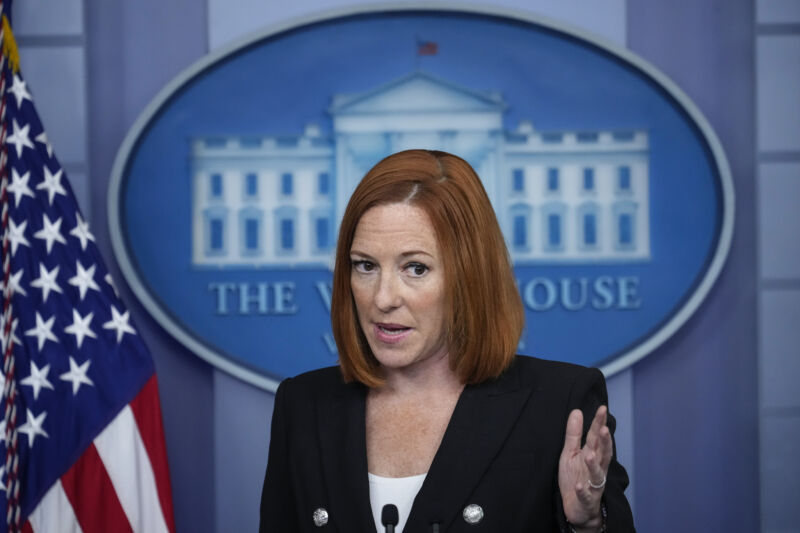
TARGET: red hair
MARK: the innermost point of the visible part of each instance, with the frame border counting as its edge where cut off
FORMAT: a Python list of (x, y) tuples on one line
[(485, 314)]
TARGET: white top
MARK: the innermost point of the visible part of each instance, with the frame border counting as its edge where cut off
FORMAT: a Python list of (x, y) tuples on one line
[(400, 491)]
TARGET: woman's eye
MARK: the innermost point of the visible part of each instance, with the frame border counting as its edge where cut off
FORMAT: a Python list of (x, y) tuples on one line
[(363, 266), (417, 269)]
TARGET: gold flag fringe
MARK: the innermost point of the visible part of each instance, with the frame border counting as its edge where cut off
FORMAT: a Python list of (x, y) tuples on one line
[(10, 46)]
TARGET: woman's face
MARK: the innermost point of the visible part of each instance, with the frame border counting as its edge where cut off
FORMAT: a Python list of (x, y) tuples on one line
[(397, 279)]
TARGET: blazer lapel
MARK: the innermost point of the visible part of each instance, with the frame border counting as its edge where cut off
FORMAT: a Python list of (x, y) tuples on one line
[(483, 417), (341, 421)]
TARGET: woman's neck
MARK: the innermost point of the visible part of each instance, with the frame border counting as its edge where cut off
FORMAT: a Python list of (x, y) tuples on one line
[(432, 376)]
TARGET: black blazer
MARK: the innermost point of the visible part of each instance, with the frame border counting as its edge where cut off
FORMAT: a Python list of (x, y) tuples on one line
[(500, 451)]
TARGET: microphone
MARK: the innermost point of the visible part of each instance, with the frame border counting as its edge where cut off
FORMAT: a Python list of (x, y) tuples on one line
[(435, 527), (389, 517)]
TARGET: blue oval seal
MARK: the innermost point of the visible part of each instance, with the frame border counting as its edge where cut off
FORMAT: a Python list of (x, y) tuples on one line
[(611, 188)]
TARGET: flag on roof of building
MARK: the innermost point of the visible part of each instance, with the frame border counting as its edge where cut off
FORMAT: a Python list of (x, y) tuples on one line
[(427, 48), (80, 430)]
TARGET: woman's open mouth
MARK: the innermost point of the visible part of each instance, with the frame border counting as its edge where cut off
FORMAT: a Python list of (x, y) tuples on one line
[(390, 333)]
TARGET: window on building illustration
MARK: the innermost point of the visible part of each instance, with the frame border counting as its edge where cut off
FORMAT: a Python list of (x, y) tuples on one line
[(322, 226), (590, 229), (625, 231), (250, 230), (552, 179), (518, 180), (519, 234), (216, 185), (250, 142), (287, 234), (251, 234), (554, 230), (251, 184), (625, 227), (323, 184), (216, 142), (588, 226), (552, 137), (284, 231), (586, 137), (588, 179), (216, 242), (215, 225), (286, 141), (520, 231), (624, 178), (287, 184)]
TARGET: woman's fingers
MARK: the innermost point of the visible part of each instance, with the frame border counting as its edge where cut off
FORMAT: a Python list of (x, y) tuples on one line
[(598, 423), (572, 439), (595, 454), (597, 451), (585, 468), (596, 471), (599, 437), (605, 447)]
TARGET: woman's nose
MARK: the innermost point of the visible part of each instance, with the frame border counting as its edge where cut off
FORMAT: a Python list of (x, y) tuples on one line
[(387, 296)]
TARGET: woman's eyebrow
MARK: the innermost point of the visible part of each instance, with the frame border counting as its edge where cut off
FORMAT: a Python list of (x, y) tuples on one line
[(409, 253), (360, 253), (415, 252)]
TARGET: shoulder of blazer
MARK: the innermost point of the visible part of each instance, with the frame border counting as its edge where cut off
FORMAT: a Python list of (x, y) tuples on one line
[(526, 371), (328, 375), (321, 387), (320, 382)]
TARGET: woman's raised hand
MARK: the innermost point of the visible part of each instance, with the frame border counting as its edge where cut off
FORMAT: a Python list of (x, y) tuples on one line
[(582, 471)]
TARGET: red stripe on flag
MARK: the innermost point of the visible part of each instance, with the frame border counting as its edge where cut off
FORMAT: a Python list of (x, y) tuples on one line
[(147, 412), (92, 495), (26, 528)]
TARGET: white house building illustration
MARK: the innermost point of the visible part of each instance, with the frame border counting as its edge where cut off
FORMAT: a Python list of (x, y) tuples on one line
[(560, 196)]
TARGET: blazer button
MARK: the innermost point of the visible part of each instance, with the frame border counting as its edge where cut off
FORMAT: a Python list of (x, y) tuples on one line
[(473, 514), (320, 517)]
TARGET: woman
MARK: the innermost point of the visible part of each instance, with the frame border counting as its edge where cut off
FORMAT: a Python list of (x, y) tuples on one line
[(429, 408)]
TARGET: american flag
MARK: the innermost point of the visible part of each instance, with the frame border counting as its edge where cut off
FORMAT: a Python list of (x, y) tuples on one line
[(427, 48), (81, 431)]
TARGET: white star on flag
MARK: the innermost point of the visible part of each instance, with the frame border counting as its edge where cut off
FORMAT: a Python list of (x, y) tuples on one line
[(84, 279), (80, 327), (42, 138), (38, 379), (47, 281), (19, 138), (33, 426), (77, 374), (43, 330), (14, 283), (119, 322), (52, 184), (81, 231), (19, 90), (19, 186), (50, 232), (16, 235)]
